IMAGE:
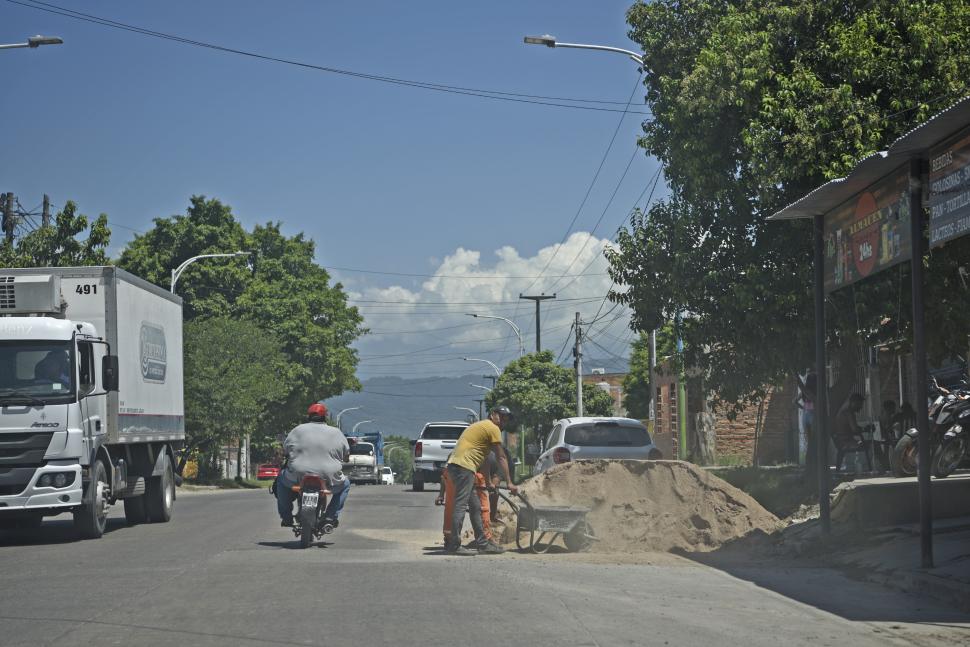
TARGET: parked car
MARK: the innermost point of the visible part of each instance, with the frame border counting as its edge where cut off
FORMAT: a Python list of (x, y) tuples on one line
[(576, 439), (387, 476), (267, 471)]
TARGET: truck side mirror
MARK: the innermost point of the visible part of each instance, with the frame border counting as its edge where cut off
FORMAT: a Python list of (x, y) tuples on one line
[(109, 372)]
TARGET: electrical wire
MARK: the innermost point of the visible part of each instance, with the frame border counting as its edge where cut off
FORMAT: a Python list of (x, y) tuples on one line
[(425, 85)]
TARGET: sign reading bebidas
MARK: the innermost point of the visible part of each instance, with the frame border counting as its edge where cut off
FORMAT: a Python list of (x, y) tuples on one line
[(949, 199), (153, 355), (868, 233)]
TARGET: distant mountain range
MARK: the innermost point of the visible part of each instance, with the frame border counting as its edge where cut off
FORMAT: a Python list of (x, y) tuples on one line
[(402, 406)]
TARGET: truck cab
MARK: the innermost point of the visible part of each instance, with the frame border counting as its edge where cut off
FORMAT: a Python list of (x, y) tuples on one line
[(362, 466), (52, 397)]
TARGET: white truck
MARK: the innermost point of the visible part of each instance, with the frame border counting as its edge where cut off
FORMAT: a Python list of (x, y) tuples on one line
[(362, 466), (91, 408), (431, 450)]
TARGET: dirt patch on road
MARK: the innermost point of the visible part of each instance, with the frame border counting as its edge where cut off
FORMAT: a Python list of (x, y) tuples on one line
[(650, 506)]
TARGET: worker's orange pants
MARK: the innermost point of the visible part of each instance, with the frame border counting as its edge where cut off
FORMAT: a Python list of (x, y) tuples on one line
[(482, 494)]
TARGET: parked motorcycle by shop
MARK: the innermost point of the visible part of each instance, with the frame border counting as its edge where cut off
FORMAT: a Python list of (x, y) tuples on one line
[(944, 411)]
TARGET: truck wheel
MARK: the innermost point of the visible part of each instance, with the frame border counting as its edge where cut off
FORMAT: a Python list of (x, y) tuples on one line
[(91, 518), (135, 509), (160, 494)]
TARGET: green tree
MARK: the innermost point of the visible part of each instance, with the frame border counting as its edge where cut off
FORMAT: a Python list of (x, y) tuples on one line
[(58, 244), (539, 392), (754, 103), (399, 457), (234, 373), (281, 289)]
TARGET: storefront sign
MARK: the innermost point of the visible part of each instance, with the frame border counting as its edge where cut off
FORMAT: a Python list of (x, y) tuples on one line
[(868, 233), (949, 199)]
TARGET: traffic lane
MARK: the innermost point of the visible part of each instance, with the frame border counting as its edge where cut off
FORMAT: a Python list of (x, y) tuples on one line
[(240, 579)]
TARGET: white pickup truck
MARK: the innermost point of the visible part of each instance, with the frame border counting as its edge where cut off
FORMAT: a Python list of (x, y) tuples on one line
[(431, 449)]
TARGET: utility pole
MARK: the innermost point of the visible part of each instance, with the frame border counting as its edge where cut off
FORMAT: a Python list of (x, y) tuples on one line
[(578, 352), (8, 218), (652, 396), (45, 216), (538, 299), (481, 408), (493, 378)]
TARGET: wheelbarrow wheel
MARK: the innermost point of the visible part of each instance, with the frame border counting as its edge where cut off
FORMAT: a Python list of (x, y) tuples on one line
[(579, 539)]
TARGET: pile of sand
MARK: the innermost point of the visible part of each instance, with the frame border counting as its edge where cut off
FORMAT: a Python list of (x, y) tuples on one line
[(639, 506)]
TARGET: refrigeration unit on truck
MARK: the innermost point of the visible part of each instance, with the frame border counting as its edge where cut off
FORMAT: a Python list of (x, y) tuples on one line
[(91, 408)]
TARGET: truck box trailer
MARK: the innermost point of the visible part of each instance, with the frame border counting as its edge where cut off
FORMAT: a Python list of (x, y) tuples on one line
[(91, 402)]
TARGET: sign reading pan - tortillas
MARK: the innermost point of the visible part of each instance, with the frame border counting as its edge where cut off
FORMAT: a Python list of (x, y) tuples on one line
[(868, 233), (949, 200)]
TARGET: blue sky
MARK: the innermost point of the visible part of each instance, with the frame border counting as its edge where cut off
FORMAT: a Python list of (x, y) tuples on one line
[(385, 178)]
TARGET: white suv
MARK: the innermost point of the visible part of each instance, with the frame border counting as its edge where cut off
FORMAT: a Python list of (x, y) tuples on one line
[(576, 439)]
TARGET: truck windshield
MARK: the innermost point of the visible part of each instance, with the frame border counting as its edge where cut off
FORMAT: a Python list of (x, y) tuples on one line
[(362, 449), (36, 371)]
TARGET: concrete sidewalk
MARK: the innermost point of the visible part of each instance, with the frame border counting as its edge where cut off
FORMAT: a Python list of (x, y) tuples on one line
[(890, 555)]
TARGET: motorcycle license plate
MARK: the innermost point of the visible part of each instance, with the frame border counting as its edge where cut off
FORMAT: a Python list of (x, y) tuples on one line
[(310, 499)]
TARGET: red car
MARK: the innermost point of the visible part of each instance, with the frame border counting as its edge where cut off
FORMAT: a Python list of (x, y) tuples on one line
[(267, 471)]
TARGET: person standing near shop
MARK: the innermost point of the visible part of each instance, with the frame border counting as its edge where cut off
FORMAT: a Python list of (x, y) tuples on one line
[(473, 447)]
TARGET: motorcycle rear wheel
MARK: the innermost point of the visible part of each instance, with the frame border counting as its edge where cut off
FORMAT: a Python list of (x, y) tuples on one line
[(948, 456), (307, 521), (904, 460)]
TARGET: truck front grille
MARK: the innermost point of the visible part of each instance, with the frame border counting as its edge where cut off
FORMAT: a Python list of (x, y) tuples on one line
[(7, 298), (24, 449)]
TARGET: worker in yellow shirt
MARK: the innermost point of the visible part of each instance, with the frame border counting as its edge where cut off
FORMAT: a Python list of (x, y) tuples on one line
[(473, 446)]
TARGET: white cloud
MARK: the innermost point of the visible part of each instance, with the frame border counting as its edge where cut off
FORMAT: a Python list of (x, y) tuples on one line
[(464, 282)]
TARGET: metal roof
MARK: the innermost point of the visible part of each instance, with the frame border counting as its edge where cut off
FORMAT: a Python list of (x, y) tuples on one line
[(870, 169)]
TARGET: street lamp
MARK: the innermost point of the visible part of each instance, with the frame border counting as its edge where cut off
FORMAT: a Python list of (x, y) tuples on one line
[(550, 41), (469, 410), (354, 430), (34, 42), (177, 272), (518, 332), (494, 367), (342, 412), (479, 386)]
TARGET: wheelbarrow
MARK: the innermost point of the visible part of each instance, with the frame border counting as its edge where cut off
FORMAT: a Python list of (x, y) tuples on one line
[(536, 522)]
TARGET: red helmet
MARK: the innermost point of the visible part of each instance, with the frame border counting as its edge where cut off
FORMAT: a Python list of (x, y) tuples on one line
[(317, 410)]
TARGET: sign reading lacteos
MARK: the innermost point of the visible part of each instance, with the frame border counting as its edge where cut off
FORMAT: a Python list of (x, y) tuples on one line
[(153, 356), (949, 199), (868, 233)]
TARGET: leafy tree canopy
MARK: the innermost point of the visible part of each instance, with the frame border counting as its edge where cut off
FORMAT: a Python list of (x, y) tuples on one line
[(235, 372), (278, 287), (754, 103), (539, 392), (58, 245)]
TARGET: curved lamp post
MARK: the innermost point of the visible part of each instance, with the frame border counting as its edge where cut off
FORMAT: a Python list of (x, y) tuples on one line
[(516, 329), (469, 410), (177, 272), (34, 42), (342, 412), (550, 41), (492, 364), (354, 430)]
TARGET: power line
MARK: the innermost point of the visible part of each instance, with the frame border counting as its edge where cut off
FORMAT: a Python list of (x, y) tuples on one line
[(425, 85)]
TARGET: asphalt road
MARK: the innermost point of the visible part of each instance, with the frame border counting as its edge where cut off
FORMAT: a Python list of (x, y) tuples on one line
[(223, 572)]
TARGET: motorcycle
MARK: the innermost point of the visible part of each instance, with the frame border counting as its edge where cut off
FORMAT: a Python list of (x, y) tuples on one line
[(954, 446), (943, 412), (310, 520)]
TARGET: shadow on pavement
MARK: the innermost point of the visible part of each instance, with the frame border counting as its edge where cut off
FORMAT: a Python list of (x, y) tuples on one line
[(293, 544), (51, 531), (765, 562)]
